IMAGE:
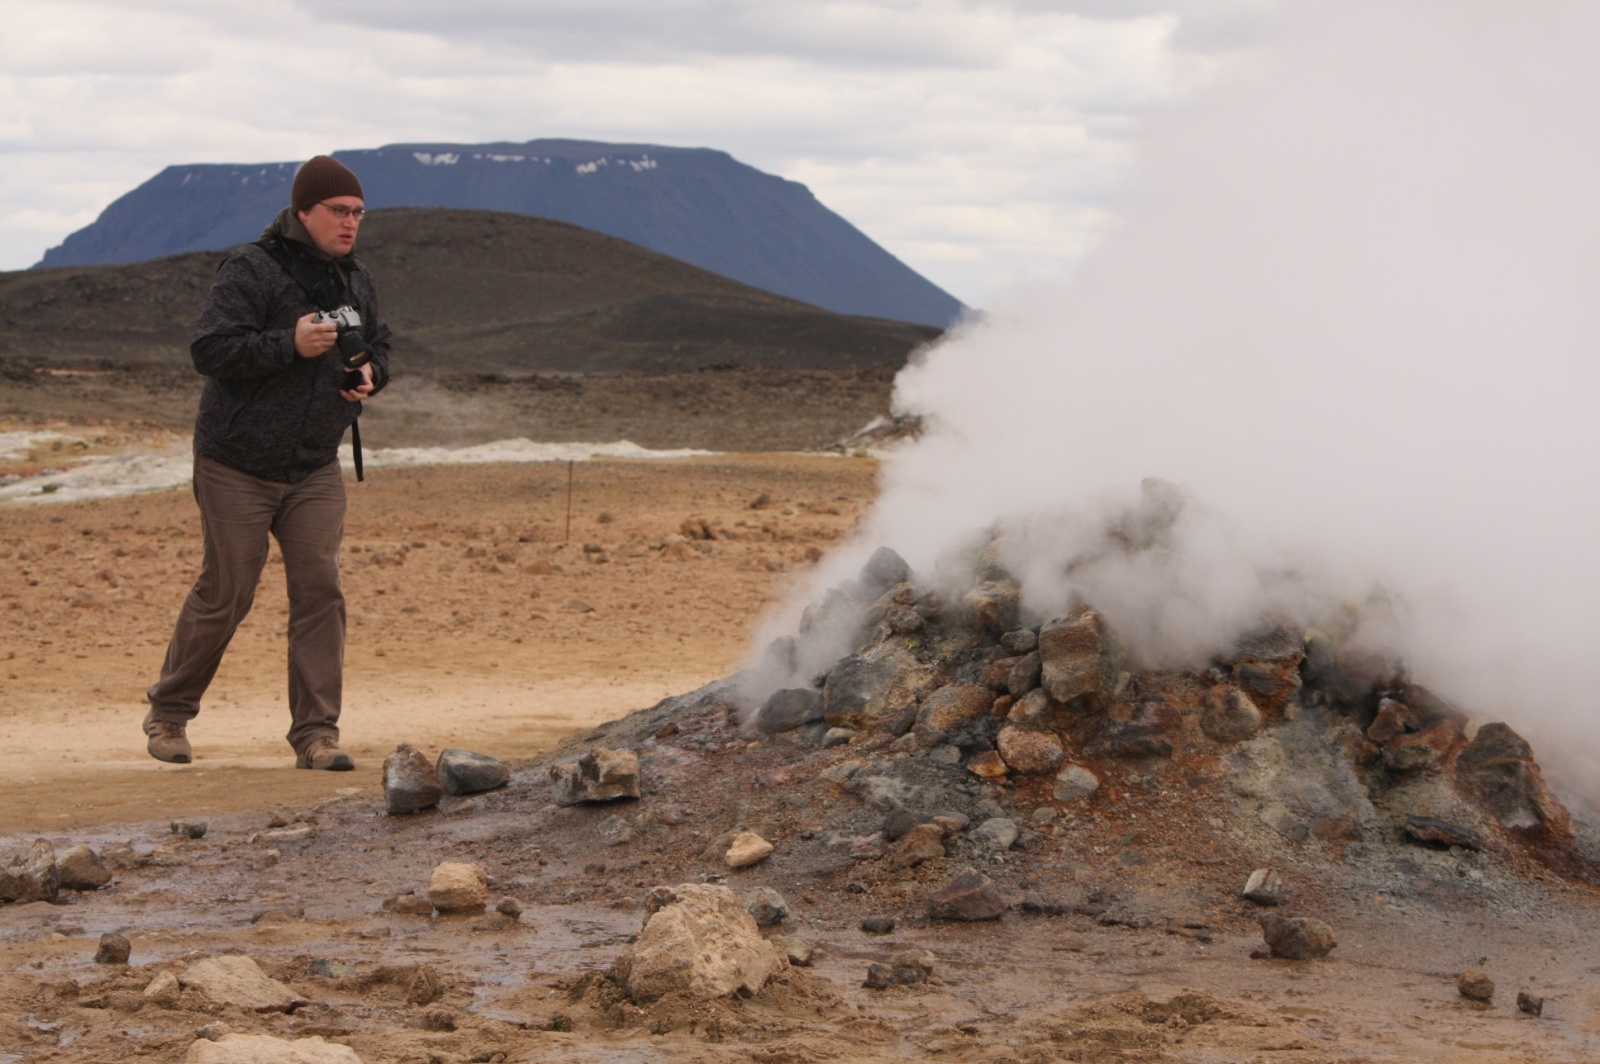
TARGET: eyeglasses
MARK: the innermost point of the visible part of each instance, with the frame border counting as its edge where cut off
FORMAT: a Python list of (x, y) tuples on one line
[(342, 212)]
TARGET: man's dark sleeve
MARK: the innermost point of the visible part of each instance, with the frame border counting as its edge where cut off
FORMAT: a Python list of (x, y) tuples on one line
[(231, 340), (378, 338)]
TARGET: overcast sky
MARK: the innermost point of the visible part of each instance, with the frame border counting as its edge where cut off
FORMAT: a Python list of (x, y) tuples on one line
[(979, 142)]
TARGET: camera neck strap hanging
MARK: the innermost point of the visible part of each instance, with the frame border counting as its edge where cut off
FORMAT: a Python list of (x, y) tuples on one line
[(316, 280)]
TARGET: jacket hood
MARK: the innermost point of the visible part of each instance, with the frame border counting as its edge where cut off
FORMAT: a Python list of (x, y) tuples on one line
[(288, 226)]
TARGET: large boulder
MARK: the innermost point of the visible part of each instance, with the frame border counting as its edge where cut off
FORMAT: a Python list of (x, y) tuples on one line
[(31, 875), (1077, 656), (700, 941), (601, 775), (1497, 773)]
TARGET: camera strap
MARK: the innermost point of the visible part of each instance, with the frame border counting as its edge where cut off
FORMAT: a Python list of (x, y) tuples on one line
[(315, 283)]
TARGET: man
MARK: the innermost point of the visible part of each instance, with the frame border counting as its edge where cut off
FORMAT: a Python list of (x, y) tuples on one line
[(281, 389)]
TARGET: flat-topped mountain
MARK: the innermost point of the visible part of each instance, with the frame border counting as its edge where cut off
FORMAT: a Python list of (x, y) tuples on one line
[(695, 204), (470, 292)]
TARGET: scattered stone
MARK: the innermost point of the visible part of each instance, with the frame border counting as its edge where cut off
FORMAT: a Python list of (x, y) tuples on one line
[(1298, 938), (1496, 771), (1532, 1004), (458, 887), (922, 843), (970, 896), (766, 907), (1264, 887), (898, 824), (495, 921), (993, 606), (786, 710), (1474, 984), (410, 783), (879, 977), (948, 707), (601, 775), (214, 1032), (878, 925), (328, 968), (1074, 783), (413, 905), (702, 943), (265, 1049), (1135, 732), (464, 772), (879, 682), (31, 876), (188, 829), (837, 737), (80, 868), (996, 833), (235, 979), (1421, 752), (904, 620), (1031, 710), (746, 849), (1023, 676), (1229, 716), (509, 907), (1078, 657), (163, 990), (1431, 830), (800, 954), (114, 949), (907, 967), (988, 765), (883, 571), (1020, 641), (1029, 751), (1393, 719)]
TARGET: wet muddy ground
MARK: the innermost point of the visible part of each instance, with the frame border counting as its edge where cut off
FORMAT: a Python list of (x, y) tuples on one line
[(473, 638)]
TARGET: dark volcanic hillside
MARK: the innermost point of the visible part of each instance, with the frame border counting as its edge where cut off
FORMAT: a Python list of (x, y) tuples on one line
[(701, 206), (470, 292)]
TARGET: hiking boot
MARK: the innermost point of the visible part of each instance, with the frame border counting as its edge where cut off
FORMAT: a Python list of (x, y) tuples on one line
[(167, 740), (324, 753)]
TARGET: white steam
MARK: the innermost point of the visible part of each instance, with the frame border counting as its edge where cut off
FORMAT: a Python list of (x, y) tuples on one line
[(1354, 313)]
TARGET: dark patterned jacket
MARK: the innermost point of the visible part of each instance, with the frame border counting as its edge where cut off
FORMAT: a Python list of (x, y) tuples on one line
[(265, 410)]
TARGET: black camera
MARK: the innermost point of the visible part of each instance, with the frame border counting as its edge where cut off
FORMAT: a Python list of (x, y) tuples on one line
[(353, 350)]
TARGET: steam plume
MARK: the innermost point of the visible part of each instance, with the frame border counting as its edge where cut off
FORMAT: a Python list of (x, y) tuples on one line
[(1353, 313)]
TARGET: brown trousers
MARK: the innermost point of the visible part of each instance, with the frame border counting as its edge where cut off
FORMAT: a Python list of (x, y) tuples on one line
[(237, 511)]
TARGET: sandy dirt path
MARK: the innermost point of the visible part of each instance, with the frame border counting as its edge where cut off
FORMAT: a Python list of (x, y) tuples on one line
[(474, 622)]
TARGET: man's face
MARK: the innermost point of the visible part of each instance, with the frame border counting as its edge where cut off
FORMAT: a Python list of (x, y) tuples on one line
[(331, 234)]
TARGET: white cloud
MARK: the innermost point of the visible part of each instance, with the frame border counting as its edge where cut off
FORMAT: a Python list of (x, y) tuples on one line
[(974, 140)]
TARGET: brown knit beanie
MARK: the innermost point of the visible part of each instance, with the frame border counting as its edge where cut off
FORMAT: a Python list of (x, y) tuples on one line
[(323, 178)]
